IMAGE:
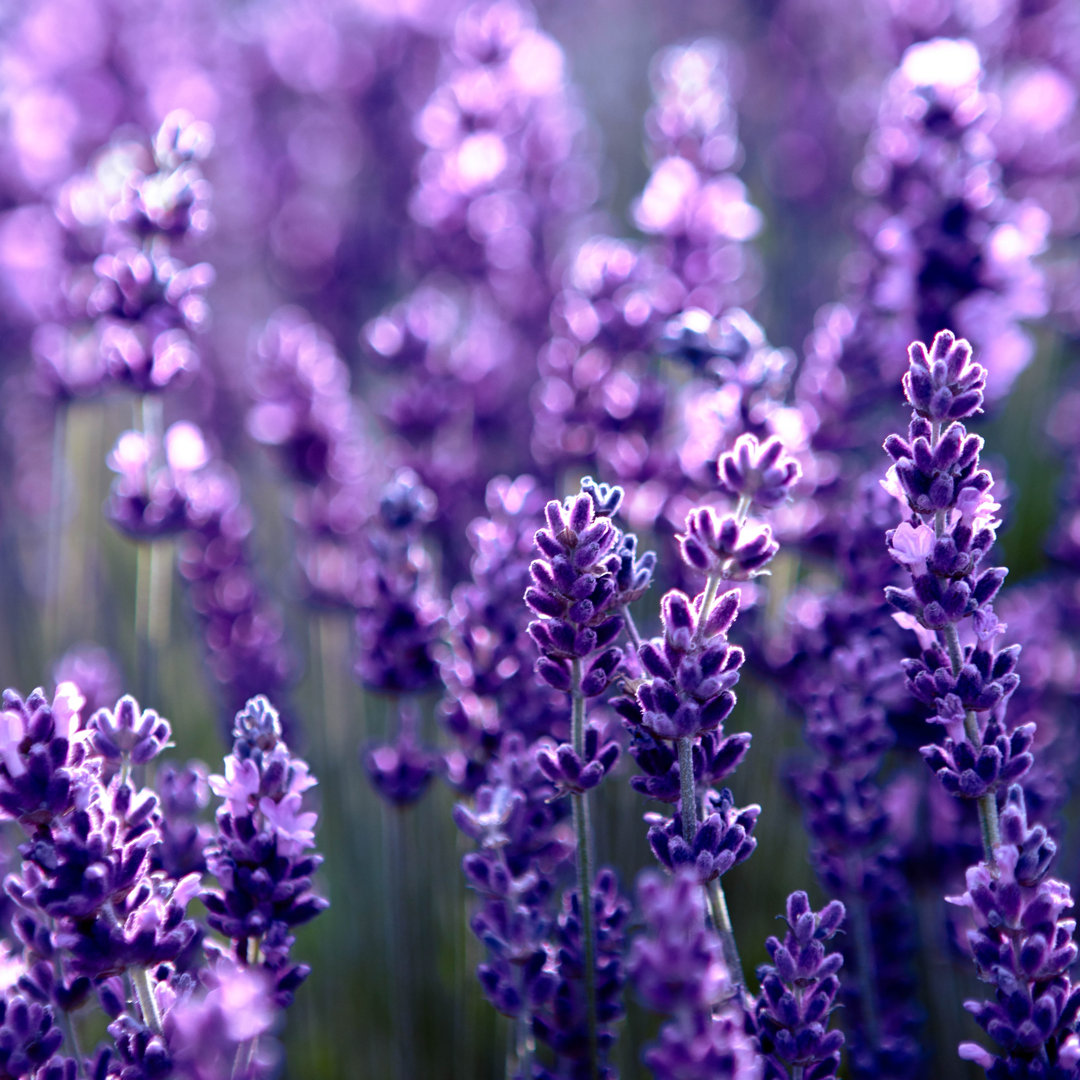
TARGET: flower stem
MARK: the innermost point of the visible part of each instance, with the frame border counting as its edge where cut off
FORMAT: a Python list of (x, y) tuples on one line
[(140, 978), (988, 811), (688, 808), (584, 867), (722, 924)]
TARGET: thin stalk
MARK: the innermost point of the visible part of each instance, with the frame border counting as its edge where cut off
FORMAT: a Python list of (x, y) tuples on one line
[(718, 909), (688, 807), (153, 562), (866, 965), (245, 1052), (140, 978), (582, 834), (524, 1047), (401, 962), (631, 628), (71, 1037), (721, 920), (55, 540), (989, 826)]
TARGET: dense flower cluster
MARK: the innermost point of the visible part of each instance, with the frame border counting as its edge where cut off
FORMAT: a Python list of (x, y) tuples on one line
[(798, 991), (99, 908)]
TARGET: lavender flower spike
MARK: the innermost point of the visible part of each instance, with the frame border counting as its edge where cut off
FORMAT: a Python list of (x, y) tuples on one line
[(1021, 941), (575, 593), (798, 992)]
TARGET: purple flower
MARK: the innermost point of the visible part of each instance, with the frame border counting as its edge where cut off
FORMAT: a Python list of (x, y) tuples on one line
[(763, 473), (678, 969), (798, 992), (129, 734), (723, 839), (259, 853)]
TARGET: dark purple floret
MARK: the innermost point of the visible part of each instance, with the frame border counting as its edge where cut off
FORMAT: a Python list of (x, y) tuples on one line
[(724, 838), (29, 1037), (944, 384), (570, 772), (713, 543), (691, 670)]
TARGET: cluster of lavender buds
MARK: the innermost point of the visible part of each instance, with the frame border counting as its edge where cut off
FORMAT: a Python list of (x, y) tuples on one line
[(686, 692), (798, 991), (98, 913), (1021, 943)]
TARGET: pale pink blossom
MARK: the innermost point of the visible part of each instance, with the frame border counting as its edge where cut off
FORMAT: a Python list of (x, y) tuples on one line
[(294, 828), (912, 546), (239, 785)]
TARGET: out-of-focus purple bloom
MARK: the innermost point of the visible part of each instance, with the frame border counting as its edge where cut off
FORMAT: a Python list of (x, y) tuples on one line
[(93, 670), (219, 1030), (399, 617), (401, 770), (242, 629), (183, 793), (503, 168), (762, 473), (488, 669), (677, 968), (692, 199), (148, 497)]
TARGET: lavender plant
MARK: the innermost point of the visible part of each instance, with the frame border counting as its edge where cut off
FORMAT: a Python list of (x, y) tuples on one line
[(1020, 942)]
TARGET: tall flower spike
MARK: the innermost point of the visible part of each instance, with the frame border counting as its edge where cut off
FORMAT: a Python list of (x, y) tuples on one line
[(1021, 941), (798, 992)]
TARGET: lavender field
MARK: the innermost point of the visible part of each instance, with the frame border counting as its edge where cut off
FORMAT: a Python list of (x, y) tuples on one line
[(539, 543)]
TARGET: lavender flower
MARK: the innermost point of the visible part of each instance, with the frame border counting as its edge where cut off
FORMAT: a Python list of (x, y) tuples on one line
[(573, 593), (260, 854), (937, 475), (678, 969), (798, 991)]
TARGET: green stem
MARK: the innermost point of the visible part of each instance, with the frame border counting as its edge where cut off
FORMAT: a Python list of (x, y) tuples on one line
[(988, 811), (865, 961), (688, 808), (245, 1052), (144, 991), (721, 920), (582, 834)]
